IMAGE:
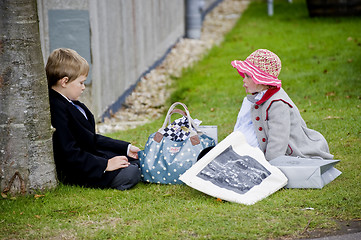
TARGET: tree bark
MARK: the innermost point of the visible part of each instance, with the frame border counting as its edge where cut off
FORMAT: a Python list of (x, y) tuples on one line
[(26, 156)]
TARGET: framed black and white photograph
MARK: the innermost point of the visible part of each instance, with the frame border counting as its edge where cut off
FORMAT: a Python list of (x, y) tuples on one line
[(235, 171)]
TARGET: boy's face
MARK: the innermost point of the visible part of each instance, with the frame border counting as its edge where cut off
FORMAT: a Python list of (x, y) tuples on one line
[(75, 88), (250, 86)]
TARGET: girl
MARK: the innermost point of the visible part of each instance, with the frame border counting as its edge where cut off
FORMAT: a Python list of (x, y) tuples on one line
[(268, 118)]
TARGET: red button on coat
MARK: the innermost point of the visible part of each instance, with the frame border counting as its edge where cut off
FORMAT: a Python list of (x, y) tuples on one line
[(257, 118), (263, 139), (260, 128), (256, 107)]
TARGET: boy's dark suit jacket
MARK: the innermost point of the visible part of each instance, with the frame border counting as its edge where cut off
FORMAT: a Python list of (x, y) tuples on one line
[(81, 155)]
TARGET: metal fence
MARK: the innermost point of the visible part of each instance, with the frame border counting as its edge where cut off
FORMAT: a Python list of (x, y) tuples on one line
[(121, 39)]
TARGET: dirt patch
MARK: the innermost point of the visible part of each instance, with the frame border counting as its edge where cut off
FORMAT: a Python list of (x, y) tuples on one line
[(343, 227)]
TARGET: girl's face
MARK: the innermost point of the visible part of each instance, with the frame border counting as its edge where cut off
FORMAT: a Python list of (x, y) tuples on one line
[(250, 86)]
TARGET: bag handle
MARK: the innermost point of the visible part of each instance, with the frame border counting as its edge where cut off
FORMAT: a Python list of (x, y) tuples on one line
[(184, 113), (178, 111), (193, 134)]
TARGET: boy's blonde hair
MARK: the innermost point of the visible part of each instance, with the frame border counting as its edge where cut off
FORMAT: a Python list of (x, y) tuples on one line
[(65, 62)]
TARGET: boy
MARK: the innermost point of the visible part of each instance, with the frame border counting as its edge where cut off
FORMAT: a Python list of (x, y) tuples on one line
[(83, 157)]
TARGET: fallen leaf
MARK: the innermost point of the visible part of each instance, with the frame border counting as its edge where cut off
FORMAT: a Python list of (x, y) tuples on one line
[(38, 196), (37, 216), (219, 200), (330, 94)]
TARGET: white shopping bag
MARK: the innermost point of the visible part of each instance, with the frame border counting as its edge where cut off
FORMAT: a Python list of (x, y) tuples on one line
[(235, 171), (306, 172), (210, 130)]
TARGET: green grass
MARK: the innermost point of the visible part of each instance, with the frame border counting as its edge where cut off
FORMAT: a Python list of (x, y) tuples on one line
[(321, 59)]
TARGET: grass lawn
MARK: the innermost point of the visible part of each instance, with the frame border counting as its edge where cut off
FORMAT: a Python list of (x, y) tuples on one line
[(321, 59)]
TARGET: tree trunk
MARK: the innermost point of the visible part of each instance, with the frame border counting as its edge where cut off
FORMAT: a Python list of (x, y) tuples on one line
[(26, 156)]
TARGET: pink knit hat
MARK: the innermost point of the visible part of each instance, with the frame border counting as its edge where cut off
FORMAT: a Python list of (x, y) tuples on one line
[(262, 65)]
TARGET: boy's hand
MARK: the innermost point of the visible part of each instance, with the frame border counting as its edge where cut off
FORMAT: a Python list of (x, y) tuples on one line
[(133, 152), (117, 162)]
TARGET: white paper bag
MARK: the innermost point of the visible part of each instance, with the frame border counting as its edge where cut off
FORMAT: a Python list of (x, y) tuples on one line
[(306, 172), (210, 130), (235, 171)]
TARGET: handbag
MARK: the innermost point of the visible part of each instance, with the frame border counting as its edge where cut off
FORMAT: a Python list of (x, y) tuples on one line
[(163, 160)]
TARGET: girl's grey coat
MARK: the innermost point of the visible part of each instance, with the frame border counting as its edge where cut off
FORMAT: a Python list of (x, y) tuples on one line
[(281, 130)]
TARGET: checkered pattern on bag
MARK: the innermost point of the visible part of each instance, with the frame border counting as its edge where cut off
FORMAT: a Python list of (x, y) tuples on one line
[(178, 130)]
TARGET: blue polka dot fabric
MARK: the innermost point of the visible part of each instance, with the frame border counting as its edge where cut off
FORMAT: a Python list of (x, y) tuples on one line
[(163, 162)]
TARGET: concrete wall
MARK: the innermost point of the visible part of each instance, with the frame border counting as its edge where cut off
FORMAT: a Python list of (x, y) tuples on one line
[(126, 39)]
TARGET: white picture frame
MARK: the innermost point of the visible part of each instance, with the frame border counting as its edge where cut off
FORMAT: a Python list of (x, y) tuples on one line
[(235, 145)]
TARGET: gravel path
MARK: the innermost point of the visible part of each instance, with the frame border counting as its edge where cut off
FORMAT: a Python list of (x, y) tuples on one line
[(147, 101)]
